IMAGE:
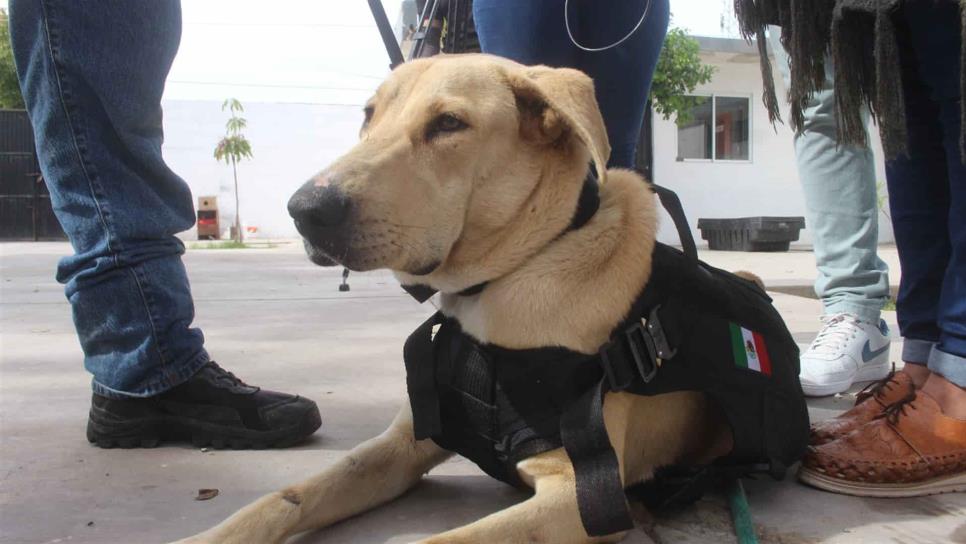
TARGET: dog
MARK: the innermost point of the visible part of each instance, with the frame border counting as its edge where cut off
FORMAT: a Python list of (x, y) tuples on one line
[(468, 170)]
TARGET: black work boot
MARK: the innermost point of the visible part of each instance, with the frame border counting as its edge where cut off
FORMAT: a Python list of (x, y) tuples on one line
[(213, 408)]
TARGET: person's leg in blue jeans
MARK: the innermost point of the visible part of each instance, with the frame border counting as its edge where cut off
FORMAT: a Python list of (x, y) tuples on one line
[(839, 185), (92, 77), (917, 444), (928, 200), (535, 32)]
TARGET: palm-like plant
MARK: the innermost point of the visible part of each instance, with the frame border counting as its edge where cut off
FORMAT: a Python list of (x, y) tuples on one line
[(233, 148)]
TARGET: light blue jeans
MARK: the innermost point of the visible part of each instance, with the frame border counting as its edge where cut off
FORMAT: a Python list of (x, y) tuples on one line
[(840, 207)]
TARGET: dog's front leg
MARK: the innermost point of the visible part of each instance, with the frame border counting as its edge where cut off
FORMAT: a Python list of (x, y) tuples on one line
[(550, 516), (374, 472)]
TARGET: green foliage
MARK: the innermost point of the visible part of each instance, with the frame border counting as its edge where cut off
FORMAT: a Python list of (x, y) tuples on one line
[(10, 97), (232, 149), (234, 146), (679, 71)]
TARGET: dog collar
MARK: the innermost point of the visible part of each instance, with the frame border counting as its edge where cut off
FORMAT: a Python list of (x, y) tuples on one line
[(587, 205)]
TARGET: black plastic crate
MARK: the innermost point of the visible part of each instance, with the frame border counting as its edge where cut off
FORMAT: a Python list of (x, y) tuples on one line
[(751, 233)]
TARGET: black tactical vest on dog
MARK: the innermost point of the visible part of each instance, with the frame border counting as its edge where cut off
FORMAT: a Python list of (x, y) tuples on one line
[(693, 328)]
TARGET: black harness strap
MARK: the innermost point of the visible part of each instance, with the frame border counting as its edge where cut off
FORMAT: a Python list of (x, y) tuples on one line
[(421, 379), (600, 492), (671, 202), (631, 357)]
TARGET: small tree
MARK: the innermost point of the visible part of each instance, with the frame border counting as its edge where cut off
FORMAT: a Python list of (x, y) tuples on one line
[(10, 97), (232, 149), (679, 71)]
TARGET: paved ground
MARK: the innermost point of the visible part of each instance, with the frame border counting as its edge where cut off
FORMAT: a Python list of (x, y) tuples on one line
[(278, 321)]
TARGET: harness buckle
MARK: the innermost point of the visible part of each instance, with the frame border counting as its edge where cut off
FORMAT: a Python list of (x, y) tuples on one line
[(648, 347), (656, 330), (638, 340)]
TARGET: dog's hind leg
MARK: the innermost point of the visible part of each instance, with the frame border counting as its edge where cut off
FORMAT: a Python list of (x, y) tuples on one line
[(550, 516), (373, 473)]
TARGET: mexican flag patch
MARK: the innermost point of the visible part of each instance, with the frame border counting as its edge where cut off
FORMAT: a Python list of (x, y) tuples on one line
[(749, 350)]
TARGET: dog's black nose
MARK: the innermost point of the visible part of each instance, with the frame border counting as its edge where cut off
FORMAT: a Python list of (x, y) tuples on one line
[(314, 207)]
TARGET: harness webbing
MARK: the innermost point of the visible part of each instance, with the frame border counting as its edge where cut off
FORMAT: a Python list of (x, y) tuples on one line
[(600, 492), (421, 379)]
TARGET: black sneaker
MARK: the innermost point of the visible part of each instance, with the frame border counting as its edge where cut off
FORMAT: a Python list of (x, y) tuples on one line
[(213, 408)]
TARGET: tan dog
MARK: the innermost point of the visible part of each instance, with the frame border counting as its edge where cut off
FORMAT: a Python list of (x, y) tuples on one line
[(468, 170)]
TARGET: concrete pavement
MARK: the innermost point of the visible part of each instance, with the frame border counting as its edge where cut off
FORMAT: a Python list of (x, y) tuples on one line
[(278, 321)]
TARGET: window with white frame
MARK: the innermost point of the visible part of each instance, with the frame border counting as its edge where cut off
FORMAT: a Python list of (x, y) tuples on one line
[(719, 129)]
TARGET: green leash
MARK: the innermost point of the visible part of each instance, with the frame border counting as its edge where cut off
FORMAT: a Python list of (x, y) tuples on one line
[(740, 514)]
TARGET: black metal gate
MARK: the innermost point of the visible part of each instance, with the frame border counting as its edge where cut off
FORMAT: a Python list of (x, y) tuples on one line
[(25, 210)]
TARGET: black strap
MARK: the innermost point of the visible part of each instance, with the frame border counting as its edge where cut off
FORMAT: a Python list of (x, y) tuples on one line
[(420, 292), (388, 37), (600, 492), (587, 203), (671, 202), (421, 379)]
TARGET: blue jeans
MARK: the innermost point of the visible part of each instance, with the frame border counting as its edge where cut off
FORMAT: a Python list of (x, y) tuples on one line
[(840, 206), (92, 75), (927, 193), (533, 32)]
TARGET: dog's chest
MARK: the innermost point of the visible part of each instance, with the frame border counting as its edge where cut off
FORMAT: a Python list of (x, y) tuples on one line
[(523, 319)]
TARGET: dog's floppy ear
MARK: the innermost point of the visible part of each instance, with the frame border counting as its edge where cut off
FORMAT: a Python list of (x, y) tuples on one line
[(560, 100)]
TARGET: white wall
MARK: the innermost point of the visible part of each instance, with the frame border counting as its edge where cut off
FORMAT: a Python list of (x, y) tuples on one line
[(767, 185), (291, 142)]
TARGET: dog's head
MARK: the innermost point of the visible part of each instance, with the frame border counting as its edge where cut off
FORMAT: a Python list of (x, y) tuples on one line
[(464, 162)]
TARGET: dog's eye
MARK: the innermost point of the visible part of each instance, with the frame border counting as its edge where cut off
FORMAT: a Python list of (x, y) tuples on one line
[(368, 111), (446, 122)]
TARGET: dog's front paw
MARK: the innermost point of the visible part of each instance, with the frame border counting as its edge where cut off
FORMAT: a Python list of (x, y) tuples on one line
[(209, 538)]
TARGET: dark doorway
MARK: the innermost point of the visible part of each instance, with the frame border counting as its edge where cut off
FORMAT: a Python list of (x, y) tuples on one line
[(25, 210)]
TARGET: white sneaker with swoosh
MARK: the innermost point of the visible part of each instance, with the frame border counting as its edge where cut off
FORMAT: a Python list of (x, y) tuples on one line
[(847, 350)]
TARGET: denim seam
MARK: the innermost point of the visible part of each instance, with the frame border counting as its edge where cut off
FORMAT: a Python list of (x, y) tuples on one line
[(159, 385), (148, 308), (75, 136)]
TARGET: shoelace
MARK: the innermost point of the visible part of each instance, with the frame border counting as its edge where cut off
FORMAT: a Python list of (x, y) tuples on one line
[(837, 331), (222, 374), (872, 390), (897, 409)]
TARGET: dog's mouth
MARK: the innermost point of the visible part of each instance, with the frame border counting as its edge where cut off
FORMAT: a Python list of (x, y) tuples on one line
[(317, 255)]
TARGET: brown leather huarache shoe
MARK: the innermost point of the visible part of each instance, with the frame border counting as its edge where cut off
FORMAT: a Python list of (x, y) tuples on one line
[(869, 403), (911, 449)]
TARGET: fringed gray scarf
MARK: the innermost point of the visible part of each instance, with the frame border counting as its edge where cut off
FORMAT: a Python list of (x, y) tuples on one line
[(861, 37)]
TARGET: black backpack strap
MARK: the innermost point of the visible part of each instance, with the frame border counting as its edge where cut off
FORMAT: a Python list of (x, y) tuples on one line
[(600, 492), (671, 202), (420, 357)]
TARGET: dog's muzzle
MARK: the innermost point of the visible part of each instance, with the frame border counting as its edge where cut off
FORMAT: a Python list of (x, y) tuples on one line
[(320, 215)]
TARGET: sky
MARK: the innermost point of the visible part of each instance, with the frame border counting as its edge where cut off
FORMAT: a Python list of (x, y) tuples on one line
[(312, 51)]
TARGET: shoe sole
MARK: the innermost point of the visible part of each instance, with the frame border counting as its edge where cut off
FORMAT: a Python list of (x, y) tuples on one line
[(107, 431), (946, 484), (867, 373)]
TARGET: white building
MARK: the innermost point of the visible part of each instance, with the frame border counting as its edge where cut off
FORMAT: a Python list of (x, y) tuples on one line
[(744, 166), (741, 167)]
